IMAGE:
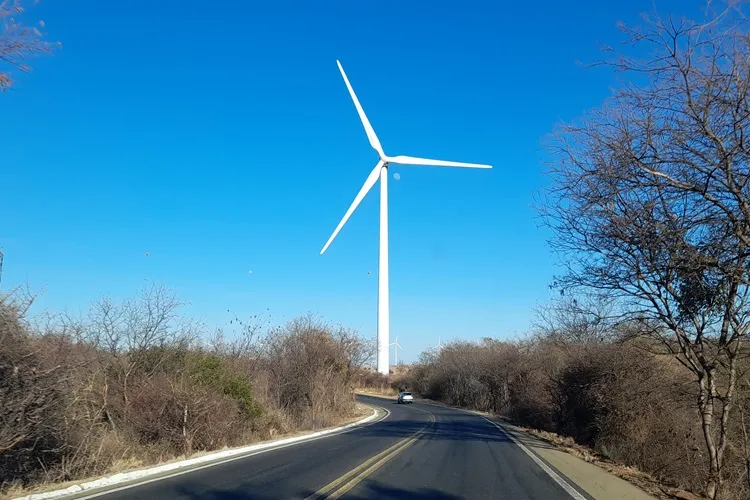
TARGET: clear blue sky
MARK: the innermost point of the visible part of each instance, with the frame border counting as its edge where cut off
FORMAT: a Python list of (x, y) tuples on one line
[(221, 139)]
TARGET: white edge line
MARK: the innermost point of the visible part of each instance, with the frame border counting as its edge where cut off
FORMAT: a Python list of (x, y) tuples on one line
[(216, 458), (546, 468), (541, 463)]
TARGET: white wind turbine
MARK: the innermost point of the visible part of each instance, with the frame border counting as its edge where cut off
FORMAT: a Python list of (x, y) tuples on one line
[(397, 347), (381, 172)]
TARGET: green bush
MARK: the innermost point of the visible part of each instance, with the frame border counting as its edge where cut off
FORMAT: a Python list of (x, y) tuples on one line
[(210, 370)]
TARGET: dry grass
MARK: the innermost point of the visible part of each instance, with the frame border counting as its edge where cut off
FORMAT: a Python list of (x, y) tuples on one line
[(133, 464), (386, 393)]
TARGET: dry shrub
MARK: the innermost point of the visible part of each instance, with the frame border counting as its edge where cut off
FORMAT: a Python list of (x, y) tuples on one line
[(32, 405), (370, 379), (132, 383), (181, 416), (311, 368), (629, 405), (531, 400), (633, 408)]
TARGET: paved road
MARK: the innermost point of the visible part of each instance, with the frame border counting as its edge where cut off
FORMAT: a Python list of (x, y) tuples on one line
[(419, 451)]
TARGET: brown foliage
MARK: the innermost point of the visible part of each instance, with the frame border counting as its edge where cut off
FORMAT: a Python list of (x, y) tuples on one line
[(132, 383), (311, 369), (368, 378), (631, 406), (182, 415), (32, 407)]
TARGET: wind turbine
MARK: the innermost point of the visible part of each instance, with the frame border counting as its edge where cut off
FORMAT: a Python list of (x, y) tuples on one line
[(398, 346), (380, 171)]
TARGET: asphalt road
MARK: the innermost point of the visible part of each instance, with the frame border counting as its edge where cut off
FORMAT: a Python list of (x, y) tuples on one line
[(419, 451)]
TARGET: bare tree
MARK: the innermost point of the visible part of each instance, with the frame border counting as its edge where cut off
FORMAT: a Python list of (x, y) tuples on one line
[(18, 42), (149, 320), (576, 320), (650, 203), (311, 366), (135, 336), (358, 351), (31, 400), (244, 339)]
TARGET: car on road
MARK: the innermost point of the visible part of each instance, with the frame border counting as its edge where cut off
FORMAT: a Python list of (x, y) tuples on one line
[(405, 397)]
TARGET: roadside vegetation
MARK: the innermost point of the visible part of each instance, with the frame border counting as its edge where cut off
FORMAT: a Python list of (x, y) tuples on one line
[(645, 355), (615, 395), (133, 383)]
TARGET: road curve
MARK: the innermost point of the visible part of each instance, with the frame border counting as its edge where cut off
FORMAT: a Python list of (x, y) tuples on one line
[(419, 451)]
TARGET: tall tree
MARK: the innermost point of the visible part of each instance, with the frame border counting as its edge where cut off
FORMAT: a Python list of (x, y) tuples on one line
[(650, 202)]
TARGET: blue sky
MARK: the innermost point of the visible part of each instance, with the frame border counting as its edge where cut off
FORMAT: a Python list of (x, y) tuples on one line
[(222, 140)]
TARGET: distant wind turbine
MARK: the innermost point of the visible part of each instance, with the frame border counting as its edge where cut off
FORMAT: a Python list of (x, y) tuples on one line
[(381, 172), (397, 347)]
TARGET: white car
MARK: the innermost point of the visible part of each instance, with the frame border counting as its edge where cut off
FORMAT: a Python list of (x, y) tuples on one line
[(405, 397)]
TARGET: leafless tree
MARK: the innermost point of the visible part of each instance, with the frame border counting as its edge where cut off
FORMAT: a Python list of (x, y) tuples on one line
[(31, 400), (18, 42), (149, 320), (575, 320), (650, 202), (244, 341), (124, 335), (311, 366), (358, 351)]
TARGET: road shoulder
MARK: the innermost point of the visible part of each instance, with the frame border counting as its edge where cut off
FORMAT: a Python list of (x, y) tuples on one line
[(596, 482)]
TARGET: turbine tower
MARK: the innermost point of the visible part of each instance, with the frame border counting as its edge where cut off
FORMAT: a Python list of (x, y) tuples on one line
[(380, 172)]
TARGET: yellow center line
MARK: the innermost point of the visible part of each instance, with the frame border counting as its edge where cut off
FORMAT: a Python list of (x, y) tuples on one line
[(372, 468), (339, 486)]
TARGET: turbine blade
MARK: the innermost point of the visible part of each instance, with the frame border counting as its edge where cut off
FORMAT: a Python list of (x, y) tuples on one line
[(374, 142), (369, 183), (412, 160)]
